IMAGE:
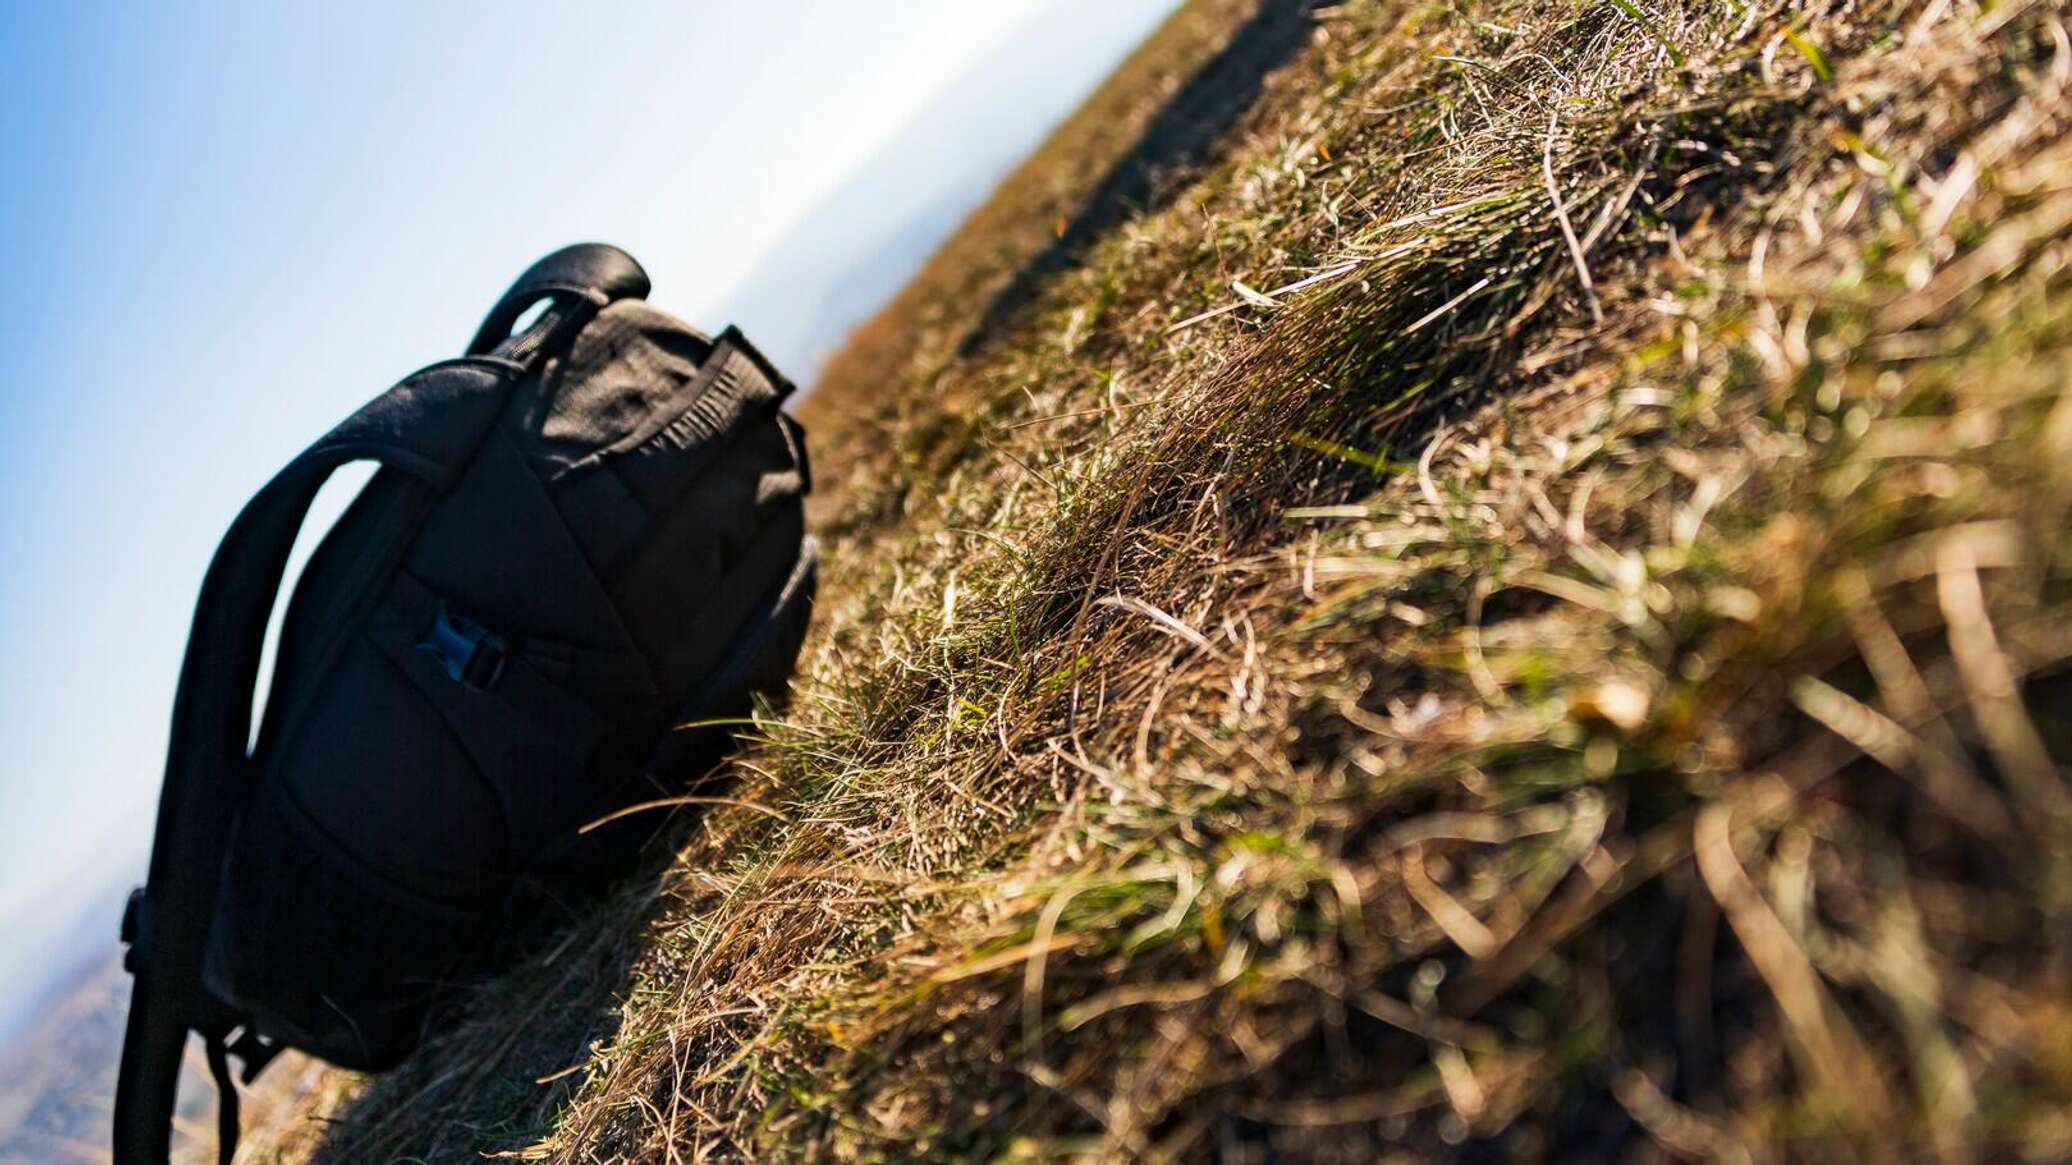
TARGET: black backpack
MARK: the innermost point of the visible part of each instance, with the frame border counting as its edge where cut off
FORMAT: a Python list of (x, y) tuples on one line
[(584, 552)]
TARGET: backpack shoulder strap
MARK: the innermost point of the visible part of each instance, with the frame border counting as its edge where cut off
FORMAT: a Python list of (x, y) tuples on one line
[(425, 428)]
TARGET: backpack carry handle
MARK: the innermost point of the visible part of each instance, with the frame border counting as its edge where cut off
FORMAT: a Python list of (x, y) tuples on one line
[(425, 428), (592, 274)]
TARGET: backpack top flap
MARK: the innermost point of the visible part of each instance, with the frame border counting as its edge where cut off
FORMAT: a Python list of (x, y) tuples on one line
[(425, 429)]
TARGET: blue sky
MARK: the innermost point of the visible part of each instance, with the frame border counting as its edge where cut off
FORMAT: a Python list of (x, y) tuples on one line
[(224, 227)]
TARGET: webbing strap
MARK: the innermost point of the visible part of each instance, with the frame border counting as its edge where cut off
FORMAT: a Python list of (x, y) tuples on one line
[(226, 1101), (734, 378)]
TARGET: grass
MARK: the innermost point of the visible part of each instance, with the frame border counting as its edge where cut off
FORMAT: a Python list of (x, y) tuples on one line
[(1518, 610)]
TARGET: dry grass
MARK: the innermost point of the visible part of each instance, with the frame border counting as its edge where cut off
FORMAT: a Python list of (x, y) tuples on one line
[(1581, 676)]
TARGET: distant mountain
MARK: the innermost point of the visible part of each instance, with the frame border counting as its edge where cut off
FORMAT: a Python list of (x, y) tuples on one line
[(57, 1078), (61, 1071), (877, 228), (45, 964)]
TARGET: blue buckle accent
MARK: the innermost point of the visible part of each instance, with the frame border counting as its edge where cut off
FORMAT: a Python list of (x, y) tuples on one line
[(471, 655)]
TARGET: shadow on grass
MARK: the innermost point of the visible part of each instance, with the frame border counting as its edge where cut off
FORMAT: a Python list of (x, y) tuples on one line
[(508, 1059), (1183, 135)]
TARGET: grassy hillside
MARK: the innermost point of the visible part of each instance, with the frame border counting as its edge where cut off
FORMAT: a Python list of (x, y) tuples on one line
[(1514, 605)]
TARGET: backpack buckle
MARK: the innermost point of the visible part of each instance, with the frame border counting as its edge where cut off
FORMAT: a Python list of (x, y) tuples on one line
[(470, 653), (133, 931)]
